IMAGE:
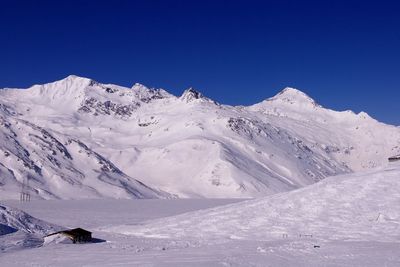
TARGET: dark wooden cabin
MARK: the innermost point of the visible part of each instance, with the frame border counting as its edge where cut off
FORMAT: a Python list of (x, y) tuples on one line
[(77, 235)]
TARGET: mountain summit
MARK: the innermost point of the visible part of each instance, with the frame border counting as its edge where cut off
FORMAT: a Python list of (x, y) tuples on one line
[(191, 95), (294, 96)]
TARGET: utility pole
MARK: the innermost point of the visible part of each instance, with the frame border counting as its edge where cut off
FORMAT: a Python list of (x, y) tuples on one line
[(25, 196)]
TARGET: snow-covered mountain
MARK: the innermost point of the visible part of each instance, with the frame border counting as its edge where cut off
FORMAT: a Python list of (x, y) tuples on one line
[(57, 166), (77, 138)]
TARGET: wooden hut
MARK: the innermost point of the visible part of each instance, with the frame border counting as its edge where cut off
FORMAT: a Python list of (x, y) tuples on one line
[(77, 235)]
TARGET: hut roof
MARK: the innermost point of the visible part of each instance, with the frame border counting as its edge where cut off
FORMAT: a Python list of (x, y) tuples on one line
[(77, 231)]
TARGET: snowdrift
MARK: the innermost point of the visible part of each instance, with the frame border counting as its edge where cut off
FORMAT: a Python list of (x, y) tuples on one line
[(361, 206)]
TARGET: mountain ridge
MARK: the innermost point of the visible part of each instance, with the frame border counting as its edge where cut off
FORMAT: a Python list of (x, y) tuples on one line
[(179, 146), (287, 94)]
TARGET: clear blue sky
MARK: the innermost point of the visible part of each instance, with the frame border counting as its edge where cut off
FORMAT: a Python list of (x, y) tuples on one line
[(344, 54)]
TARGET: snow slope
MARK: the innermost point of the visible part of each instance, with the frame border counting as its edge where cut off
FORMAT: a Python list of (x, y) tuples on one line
[(20, 230), (57, 166), (128, 250), (355, 207), (21, 221), (77, 138)]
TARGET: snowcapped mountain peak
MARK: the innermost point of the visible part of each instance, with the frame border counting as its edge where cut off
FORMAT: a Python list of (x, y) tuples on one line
[(71, 85), (290, 102), (364, 115), (61, 92), (71, 82), (139, 87), (192, 95), (146, 94), (293, 96), (73, 77)]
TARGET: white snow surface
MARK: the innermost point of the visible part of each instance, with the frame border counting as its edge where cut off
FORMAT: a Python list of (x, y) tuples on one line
[(350, 220), (77, 138), (357, 207)]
